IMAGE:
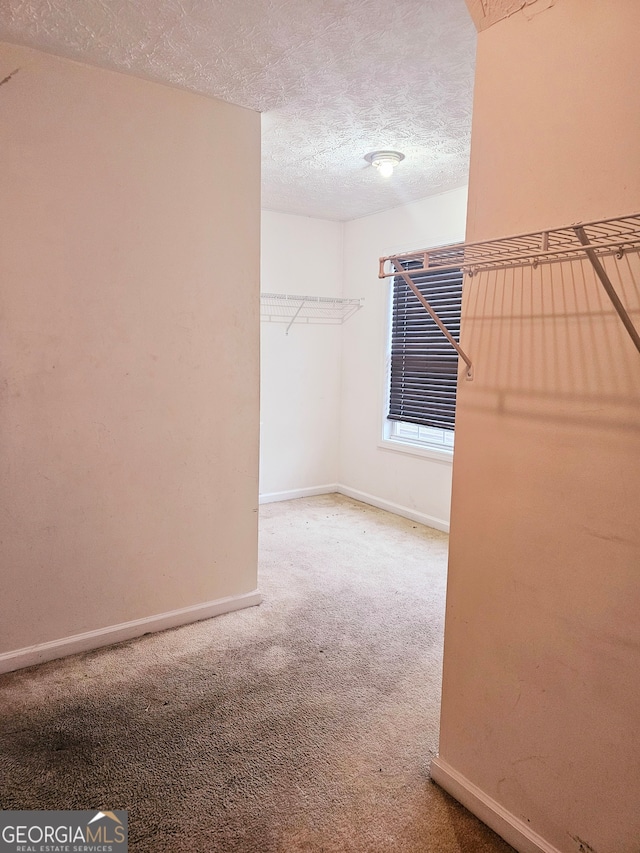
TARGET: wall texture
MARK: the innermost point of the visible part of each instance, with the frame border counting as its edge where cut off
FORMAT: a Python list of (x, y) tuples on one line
[(300, 371), (541, 692), (398, 481), (129, 354)]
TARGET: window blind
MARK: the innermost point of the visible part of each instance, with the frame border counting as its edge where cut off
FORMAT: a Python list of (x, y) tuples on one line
[(424, 366)]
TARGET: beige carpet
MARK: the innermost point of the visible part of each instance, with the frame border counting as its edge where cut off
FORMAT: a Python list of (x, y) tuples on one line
[(306, 724)]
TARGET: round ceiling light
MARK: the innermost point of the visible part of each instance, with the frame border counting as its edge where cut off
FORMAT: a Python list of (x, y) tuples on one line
[(384, 161)]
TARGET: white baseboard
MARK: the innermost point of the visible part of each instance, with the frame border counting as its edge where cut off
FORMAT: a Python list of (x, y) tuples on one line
[(32, 655), (405, 512), (515, 831), (292, 494), (363, 497)]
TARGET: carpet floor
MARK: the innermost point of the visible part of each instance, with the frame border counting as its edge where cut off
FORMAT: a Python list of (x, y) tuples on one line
[(305, 724)]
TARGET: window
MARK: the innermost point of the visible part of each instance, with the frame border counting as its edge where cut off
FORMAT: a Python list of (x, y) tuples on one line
[(423, 364)]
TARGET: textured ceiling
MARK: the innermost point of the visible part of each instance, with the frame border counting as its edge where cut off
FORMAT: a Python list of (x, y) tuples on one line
[(335, 79)]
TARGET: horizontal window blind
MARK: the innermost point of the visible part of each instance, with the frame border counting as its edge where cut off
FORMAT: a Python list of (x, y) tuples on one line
[(424, 365)]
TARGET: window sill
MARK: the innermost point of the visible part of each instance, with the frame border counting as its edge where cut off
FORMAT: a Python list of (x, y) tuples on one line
[(436, 454)]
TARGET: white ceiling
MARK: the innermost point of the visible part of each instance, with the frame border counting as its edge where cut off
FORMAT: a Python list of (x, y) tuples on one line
[(334, 79)]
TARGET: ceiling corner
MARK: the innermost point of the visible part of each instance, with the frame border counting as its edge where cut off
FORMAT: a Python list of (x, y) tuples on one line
[(485, 13), (477, 11)]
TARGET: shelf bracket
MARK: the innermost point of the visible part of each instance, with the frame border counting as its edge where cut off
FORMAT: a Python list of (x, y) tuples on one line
[(293, 319), (608, 286), (411, 285)]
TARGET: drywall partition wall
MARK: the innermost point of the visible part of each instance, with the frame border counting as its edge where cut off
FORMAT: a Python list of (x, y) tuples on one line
[(541, 691), (300, 370), (129, 350), (412, 485)]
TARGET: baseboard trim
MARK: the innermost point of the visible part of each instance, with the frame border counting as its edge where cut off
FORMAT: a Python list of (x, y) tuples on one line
[(363, 497), (514, 831), (398, 509), (31, 655), (292, 494)]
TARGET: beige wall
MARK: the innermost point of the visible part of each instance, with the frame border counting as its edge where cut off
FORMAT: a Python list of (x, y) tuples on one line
[(541, 695), (129, 408)]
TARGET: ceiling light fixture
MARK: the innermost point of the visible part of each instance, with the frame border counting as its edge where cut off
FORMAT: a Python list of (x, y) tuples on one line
[(384, 161)]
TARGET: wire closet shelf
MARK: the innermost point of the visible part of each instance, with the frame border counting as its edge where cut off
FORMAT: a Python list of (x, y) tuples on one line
[(590, 240), (285, 308), (603, 237)]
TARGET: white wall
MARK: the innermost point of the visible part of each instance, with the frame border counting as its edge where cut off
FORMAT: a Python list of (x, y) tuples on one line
[(130, 368), (411, 484), (300, 371), (541, 692)]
